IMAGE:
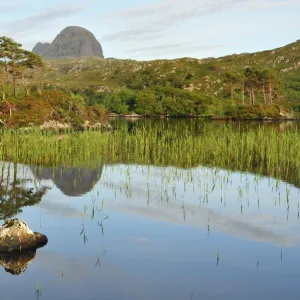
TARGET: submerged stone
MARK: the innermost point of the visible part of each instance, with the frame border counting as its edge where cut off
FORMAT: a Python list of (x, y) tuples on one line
[(15, 235)]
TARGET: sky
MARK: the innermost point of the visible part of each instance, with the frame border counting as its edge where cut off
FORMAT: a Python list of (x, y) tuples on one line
[(147, 29)]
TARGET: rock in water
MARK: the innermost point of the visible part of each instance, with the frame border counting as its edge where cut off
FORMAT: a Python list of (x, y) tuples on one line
[(73, 41), (15, 235)]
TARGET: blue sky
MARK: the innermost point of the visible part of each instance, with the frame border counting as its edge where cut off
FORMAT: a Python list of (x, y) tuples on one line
[(148, 29)]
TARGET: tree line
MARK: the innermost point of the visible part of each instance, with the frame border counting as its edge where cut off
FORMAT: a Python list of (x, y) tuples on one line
[(253, 81)]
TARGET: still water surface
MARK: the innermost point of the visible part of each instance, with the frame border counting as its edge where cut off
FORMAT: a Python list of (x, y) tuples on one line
[(150, 232)]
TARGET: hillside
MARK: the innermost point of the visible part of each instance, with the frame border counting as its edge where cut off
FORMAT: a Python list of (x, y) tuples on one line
[(215, 82), (259, 85)]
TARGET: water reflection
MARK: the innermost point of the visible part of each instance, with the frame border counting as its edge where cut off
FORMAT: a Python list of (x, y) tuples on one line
[(70, 181), (242, 205), (195, 126), (17, 190), (170, 231), (246, 206), (17, 262)]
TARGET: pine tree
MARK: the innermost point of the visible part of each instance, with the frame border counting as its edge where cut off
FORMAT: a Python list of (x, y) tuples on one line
[(34, 61), (231, 79), (13, 53)]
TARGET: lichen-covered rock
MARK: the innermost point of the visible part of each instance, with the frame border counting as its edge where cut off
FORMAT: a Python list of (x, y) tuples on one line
[(54, 125), (15, 235), (16, 263), (97, 125)]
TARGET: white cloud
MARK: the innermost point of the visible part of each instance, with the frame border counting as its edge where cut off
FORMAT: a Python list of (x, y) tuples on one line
[(43, 19), (175, 47), (269, 4), (134, 32), (7, 9), (160, 16), (145, 10)]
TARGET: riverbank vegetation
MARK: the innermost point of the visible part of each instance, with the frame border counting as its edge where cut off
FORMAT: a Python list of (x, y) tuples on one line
[(260, 150)]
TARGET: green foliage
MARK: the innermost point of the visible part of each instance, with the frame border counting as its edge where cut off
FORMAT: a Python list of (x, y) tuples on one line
[(164, 100), (56, 106), (146, 103), (188, 76), (15, 60), (13, 55)]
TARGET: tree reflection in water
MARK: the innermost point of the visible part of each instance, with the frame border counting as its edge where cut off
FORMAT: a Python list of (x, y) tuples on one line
[(17, 192)]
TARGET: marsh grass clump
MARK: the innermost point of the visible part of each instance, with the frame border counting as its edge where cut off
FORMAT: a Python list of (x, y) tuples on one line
[(264, 151)]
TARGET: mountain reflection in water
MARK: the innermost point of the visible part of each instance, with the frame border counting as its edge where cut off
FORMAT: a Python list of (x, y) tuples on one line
[(70, 181)]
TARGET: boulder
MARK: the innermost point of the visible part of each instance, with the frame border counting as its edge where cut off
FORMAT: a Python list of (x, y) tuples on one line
[(15, 235)]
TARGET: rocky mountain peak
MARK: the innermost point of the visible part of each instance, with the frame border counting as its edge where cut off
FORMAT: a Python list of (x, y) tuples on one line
[(73, 41)]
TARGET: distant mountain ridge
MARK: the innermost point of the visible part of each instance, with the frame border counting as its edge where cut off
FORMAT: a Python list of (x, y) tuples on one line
[(40, 48), (73, 41)]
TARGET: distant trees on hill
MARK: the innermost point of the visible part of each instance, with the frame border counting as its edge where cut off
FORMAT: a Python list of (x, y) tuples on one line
[(253, 81), (152, 94)]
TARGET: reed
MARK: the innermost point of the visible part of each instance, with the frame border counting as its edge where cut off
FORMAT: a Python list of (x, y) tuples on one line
[(260, 150)]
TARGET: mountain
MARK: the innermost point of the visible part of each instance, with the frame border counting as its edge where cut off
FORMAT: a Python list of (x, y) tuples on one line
[(41, 48), (72, 42)]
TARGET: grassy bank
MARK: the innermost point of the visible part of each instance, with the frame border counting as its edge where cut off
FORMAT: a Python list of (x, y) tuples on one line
[(259, 150)]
